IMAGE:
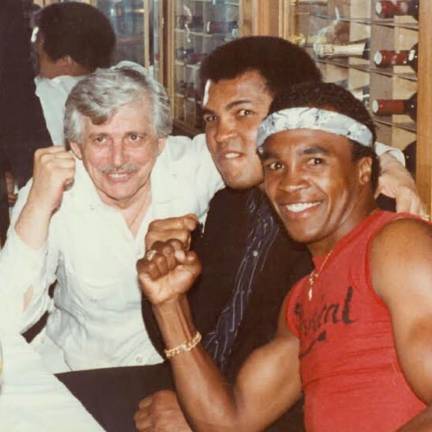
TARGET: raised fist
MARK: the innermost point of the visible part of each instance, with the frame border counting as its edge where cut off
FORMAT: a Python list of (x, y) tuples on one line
[(167, 271), (53, 172), (179, 228)]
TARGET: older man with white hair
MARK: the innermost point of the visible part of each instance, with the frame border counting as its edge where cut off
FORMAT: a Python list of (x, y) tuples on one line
[(82, 220)]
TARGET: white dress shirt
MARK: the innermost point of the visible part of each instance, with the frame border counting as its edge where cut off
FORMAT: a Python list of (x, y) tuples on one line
[(52, 93), (95, 317)]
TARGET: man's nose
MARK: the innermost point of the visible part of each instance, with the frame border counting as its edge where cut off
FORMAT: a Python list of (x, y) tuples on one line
[(225, 130), (118, 154), (293, 180)]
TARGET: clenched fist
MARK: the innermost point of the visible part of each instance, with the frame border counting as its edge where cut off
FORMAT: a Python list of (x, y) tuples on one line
[(167, 271), (179, 228), (53, 172)]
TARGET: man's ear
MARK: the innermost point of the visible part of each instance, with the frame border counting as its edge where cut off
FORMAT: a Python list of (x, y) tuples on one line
[(161, 144), (76, 149), (364, 170)]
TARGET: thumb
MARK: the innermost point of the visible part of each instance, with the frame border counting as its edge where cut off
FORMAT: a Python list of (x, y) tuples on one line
[(145, 402)]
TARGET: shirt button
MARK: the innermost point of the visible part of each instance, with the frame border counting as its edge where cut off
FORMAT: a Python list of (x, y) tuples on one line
[(139, 359), (255, 253)]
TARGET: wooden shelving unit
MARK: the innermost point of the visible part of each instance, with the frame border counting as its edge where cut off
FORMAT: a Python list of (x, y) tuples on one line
[(342, 21)]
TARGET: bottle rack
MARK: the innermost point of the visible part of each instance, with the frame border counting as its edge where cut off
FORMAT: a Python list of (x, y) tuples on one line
[(198, 27), (341, 22)]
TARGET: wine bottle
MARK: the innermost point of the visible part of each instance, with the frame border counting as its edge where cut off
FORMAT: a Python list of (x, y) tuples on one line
[(221, 26), (384, 58), (390, 9), (383, 107), (352, 49)]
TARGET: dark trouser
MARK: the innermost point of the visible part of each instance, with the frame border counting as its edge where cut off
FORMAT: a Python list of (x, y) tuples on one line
[(112, 395)]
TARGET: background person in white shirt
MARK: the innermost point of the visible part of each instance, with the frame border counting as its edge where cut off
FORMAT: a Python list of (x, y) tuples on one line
[(83, 218), (71, 40)]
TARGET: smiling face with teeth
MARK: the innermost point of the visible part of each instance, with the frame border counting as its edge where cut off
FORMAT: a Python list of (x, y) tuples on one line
[(233, 110), (315, 186), (119, 154)]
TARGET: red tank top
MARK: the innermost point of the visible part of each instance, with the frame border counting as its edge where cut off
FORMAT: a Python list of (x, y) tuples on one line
[(349, 368)]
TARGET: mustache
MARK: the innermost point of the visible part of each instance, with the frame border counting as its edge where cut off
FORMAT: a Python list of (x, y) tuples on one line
[(127, 168)]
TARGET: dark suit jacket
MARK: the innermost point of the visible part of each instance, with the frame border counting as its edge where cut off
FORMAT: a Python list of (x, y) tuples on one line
[(221, 249)]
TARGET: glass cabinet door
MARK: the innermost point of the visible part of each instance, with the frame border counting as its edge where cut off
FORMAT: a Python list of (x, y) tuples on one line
[(135, 23), (199, 26), (128, 20)]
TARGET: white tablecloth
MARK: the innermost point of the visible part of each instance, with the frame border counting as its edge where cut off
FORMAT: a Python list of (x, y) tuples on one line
[(32, 399)]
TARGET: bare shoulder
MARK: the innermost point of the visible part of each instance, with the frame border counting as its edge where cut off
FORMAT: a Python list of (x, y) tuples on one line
[(401, 234), (401, 255)]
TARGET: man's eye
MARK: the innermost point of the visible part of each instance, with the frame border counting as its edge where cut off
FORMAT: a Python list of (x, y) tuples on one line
[(100, 139), (273, 166), (316, 161), (245, 112), (134, 137), (209, 118)]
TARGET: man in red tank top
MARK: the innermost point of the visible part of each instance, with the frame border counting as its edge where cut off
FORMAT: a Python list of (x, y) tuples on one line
[(355, 335)]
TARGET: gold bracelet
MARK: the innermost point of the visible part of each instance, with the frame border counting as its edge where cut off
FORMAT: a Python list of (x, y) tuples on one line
[(185, 346)]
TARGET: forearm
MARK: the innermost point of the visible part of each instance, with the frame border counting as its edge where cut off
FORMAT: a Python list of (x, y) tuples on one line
[(23, 281), (207, 399), (23, 262), (32, 224)]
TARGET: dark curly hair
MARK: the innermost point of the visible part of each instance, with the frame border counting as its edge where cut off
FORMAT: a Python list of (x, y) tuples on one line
[(78, 30), (279, 62), (335, 98)]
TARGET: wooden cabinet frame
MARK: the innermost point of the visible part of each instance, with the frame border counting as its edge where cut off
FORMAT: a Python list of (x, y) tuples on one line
[(424, 110)]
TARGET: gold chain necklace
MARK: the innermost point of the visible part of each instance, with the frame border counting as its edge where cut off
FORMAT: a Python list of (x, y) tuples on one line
[(313, 277)]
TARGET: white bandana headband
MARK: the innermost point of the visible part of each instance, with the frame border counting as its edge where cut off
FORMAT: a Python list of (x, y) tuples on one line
[(316, 119)]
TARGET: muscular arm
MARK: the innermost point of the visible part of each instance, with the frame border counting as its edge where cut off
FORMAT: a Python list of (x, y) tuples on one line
[(267, 385), (401, 257)]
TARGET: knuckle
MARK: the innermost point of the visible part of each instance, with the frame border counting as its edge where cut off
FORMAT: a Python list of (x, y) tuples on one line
[(167, 249), (159, 259), (150, 267), (158, 245), (175, 243)]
